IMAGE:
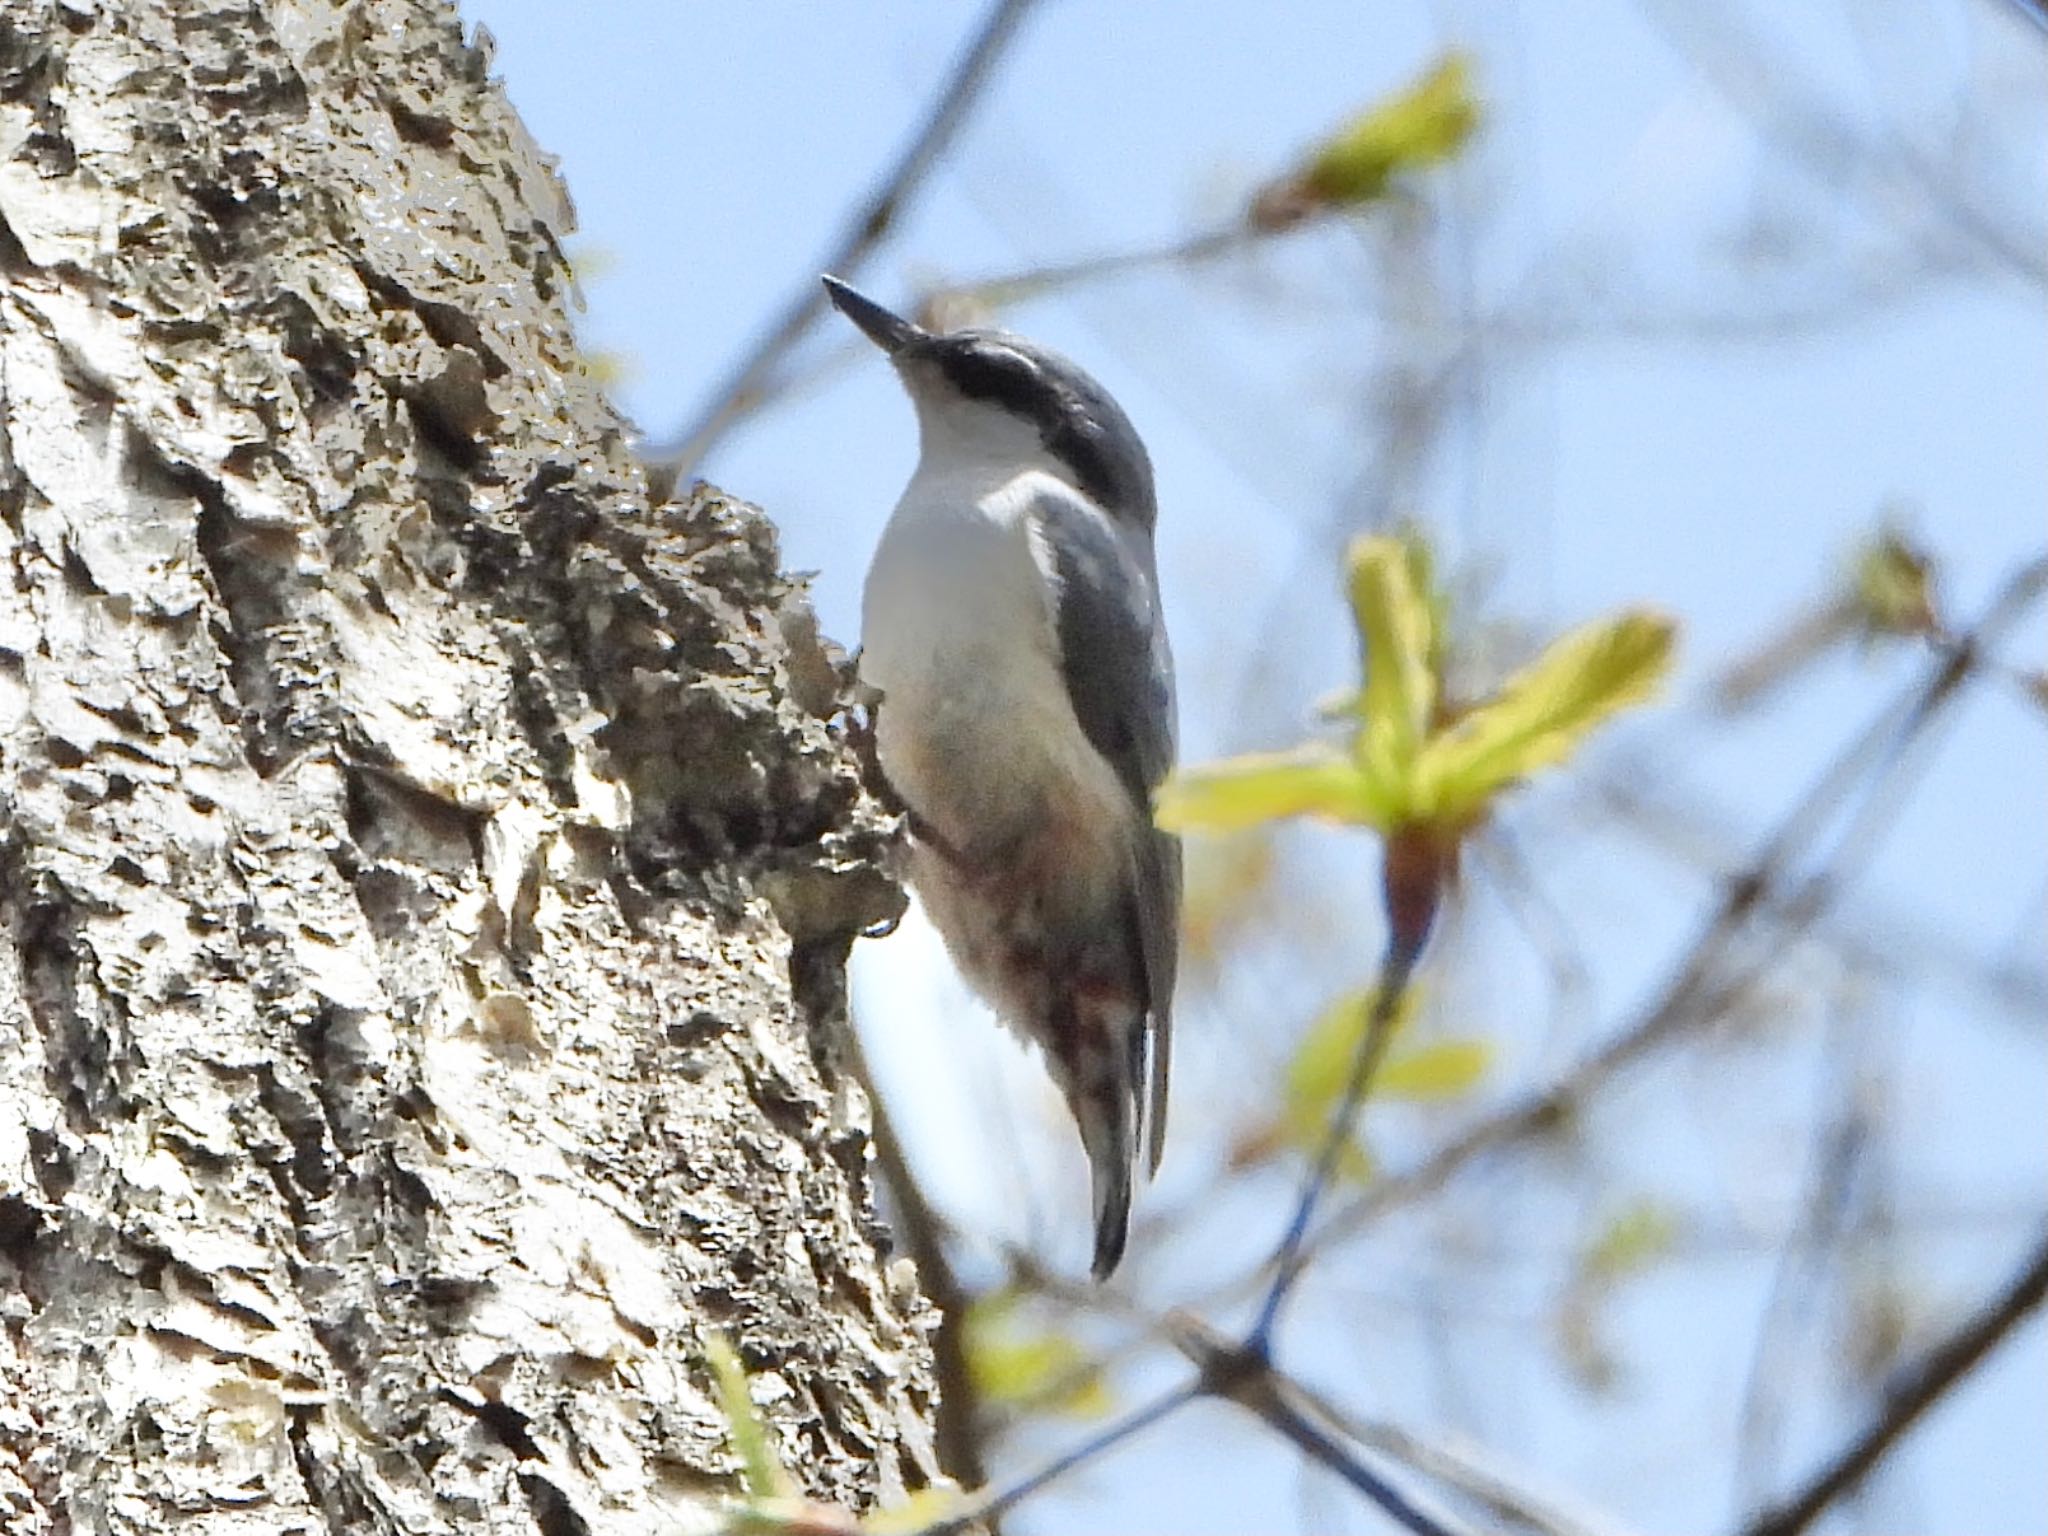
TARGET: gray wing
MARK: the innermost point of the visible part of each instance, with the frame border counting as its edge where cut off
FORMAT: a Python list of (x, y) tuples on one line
[(1119, 677)]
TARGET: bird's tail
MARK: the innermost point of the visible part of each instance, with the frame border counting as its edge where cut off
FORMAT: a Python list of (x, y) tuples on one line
[(1107, 1131), (1103, 1080)]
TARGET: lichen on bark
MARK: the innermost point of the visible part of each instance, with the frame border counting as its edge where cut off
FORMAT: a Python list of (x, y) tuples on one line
[(426, 869)]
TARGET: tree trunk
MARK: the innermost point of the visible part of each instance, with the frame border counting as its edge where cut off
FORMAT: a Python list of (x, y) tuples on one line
[(425, 871)]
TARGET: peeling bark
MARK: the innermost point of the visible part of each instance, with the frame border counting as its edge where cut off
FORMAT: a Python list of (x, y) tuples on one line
[(426, 870)]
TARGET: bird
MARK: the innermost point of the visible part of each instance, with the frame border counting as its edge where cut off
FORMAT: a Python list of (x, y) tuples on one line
[(1024, 717)]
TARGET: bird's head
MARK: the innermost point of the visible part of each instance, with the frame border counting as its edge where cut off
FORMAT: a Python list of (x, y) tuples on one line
[(984, 395)]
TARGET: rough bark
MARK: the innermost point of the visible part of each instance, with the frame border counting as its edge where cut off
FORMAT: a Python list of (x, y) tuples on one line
[(425, 870)]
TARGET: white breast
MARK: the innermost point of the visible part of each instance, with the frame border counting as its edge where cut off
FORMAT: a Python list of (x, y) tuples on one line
[(958, 632)]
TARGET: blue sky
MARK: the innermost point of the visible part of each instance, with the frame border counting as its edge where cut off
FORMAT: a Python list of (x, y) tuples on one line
[(1626, 171)]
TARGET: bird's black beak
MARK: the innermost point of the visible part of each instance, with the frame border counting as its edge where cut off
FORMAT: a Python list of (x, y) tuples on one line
[(891, 332)]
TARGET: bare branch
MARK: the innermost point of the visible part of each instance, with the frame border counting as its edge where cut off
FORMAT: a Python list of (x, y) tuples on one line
[(2034, 11), (1798, 1273), (1255, 1384), (1036, 281), (992, 1506), (1243, 1374), (1462, 1472), (1793, 115), (755, 378), (1912, 1394)]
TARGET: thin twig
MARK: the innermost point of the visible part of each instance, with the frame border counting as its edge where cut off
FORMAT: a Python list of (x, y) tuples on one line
[(1696, 834), (1800, 1267), (1288, 1261), (1031, 283), (753, 380), (991, 1507), (1756, 80), (1913, 1392), (2033, 11), (1244, 1375), (1458, 1473)]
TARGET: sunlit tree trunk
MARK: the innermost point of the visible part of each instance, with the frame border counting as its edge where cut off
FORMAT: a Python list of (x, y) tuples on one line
[(425, 871)]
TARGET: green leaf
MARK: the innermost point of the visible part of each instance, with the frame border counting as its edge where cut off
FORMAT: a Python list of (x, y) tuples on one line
[(1633, 1238), (1426, 123), (1321, 1064), (1892, 586), (1321, 1067), (1020, 1365), (1319, 1070), (760, 1467), (1543, 713), (1244, 791), (1442, 1070), (1393, 601)]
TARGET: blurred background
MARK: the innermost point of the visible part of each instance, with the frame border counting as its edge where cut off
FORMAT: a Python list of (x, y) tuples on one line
[(1731, 310)]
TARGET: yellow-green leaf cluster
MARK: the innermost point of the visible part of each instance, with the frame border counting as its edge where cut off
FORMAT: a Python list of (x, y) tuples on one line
[(1420, 126), (1016, 1364), (1417, 127), (1413, 762)]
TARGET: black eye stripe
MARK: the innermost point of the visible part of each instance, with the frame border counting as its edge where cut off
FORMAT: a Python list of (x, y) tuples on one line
[(1080, 425), (1000, 377)]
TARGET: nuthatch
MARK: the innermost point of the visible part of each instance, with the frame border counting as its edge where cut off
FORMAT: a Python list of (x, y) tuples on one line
[(1011, 625)]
